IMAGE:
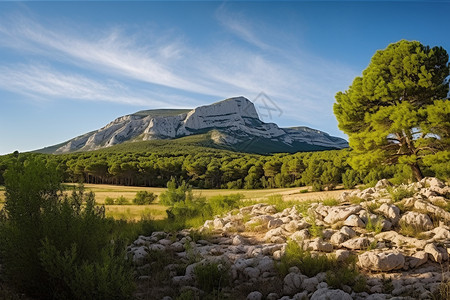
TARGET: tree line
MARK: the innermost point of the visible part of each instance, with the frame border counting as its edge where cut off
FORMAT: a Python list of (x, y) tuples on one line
[(225, 169)]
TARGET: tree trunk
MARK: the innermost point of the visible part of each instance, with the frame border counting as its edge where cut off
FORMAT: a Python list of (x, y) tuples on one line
[(417, 173)]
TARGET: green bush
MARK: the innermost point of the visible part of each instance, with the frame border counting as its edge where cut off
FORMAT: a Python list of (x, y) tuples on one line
[(211, 277), (109, 201), (400, 192), (55, 246), (121, 200), (176, 193), (143, 198), (308, 264)]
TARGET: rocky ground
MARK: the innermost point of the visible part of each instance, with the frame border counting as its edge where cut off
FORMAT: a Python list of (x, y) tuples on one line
[(399, 238)]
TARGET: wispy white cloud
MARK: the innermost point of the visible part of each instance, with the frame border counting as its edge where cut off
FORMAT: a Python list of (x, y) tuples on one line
[(303, 85)]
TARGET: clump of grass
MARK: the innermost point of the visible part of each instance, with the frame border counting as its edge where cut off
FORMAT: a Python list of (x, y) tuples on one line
[(372, 245), (109, 201), (347, 274), (308, 264), (255, 226), (399, 193), (443, 292), (303, 191), (303, 207), (211, 277), (375, 226), (355, 200), (411, 230), (330, 202)]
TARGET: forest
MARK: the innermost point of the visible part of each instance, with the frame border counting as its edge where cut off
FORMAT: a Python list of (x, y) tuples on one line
[(203, 167)]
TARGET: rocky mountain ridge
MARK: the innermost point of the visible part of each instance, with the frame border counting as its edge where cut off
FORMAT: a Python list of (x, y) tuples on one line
[(235, 122)]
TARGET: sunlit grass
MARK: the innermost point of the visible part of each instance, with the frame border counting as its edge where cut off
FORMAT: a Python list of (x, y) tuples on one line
[(136, 212)]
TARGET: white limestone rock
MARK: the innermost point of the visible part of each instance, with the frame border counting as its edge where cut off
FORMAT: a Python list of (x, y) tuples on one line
[(417, 219), (381, 261), (326, 293)]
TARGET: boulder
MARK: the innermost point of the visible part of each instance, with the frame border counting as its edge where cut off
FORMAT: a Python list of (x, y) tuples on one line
[(319, 245), (274, 223), (381, 261), (382, 184), (348, 231), (354, 221), (310, 284), (292, 283), (254, 296), (340, 213), (338, 238), (357, 243), (417, 259), (301, 235), (400, 240), (419, 220), (391, 212), (438, 254), (326, 293)]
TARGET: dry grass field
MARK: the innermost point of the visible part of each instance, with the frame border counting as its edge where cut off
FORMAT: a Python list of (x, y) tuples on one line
[(156, 211)]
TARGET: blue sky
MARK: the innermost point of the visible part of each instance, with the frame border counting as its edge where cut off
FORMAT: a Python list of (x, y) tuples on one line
[(67, 68)]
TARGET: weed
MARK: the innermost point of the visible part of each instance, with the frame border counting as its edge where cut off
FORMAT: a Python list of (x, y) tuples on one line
[(347, 274), (330, 202), (303, 207), (372, 245), (355, 200), (315, 230), (255, 226), (303, 191), (211, 277), (411, 230), (443, 292), (388, 286), (374, 225), (309, 265), (400, 192)]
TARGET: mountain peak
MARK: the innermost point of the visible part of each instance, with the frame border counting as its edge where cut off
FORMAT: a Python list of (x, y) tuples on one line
[(235, 120)]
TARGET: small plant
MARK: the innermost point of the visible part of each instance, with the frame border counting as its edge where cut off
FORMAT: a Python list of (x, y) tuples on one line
[(355, 200), (373, 245), (347, 274), (255, 226), (109, 201), (374, 225), (411, 230), (443, 292), (400, 192), (121, 201), (211, 277), (315, 230), (143, 198), (303, 207), (308, 264), (330, 202)]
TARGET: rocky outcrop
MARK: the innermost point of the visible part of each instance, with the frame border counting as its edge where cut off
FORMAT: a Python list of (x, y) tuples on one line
[(234, 120), (393, 263)]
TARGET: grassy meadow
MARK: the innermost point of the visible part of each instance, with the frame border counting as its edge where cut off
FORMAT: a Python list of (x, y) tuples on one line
[(156, 211)]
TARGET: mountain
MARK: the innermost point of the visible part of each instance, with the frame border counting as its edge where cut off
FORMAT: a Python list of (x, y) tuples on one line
[(231, 124)]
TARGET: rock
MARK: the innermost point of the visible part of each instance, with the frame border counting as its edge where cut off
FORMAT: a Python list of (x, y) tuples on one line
[(294, 225), (417, 259), (381, 261), (274, 223), (319, 245), (391, 212), (233, 226), (301, 235), (342, 255), (272, 296), (251, 272), (310, 284), (238, 240), (438, 254), (338, 238), (292, 283), (348, 231), (357, 243), (300, 296), (273, 232), (382, 184), (177, 247), (326, 293), (265, 265), (435, 210), (354, 221), (400, 240), (340, 213), (139, 255), (419, 220), (218, 223), (254, 296)]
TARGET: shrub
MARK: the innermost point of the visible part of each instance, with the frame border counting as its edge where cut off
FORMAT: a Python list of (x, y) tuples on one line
[(109, 201), (374, 225), (64, 241), (330, 202), (400, 192), (144, 197), (303, 191), (211, 277), (308, 264), (121, 201), (176, 193)]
